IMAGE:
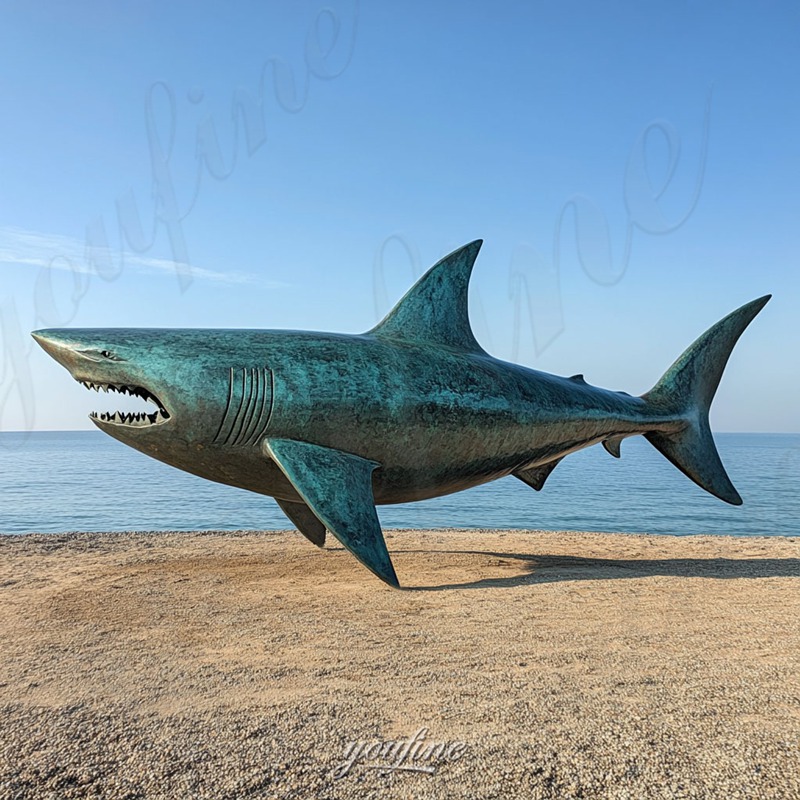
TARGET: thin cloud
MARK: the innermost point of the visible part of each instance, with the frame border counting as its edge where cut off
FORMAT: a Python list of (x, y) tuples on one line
[(32, 248)]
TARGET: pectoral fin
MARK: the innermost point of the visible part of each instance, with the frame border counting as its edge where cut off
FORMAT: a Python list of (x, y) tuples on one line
[(536, 476), (337, 487), (304, 520)]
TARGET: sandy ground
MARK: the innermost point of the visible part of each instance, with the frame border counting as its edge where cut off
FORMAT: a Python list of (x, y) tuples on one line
[(527, 664)]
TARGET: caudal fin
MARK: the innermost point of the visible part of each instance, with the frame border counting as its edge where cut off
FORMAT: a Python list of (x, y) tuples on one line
[(687, 389)]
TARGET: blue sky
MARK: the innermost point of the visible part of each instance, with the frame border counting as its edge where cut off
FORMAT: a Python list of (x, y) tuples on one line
[(632, 167)]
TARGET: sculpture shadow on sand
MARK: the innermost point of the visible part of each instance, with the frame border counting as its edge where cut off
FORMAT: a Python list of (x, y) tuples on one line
[(547, 568)]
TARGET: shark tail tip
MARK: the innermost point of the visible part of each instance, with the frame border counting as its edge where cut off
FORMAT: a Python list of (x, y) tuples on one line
[(687, 390)]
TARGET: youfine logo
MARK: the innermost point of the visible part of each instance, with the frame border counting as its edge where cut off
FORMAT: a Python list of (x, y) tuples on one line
[(415, 754)]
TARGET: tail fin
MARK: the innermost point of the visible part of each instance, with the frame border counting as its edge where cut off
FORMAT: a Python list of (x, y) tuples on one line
[(687, 389)]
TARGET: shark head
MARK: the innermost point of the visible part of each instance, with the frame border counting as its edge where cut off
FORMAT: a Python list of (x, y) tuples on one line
[(158, 366)]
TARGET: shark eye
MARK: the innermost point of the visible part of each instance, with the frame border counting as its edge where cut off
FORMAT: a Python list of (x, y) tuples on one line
[(100, 355)]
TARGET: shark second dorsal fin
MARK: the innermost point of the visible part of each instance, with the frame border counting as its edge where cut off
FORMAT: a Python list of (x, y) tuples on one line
[(434, 310)]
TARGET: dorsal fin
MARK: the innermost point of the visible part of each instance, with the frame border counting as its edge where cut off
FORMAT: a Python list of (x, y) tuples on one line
[(578, 378), (434, 310)]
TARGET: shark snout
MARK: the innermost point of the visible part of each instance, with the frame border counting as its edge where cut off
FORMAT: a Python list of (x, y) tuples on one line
[(56, 347), (83, 358), (43, 339)]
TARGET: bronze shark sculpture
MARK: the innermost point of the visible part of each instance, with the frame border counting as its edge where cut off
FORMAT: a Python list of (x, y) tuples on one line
[(331, 425)]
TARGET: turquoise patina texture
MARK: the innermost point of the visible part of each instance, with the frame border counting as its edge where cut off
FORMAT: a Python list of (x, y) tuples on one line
[(331, 424)]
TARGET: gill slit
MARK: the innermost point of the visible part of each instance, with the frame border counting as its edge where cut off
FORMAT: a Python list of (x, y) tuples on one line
[(246, 406), (252, 420), (271, 406), (227, 407)]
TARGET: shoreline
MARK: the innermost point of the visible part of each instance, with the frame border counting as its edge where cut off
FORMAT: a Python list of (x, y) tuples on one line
[(567, 664), (396, 531)]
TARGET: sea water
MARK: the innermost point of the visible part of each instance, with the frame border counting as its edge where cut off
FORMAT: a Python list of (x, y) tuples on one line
[(86, 481)]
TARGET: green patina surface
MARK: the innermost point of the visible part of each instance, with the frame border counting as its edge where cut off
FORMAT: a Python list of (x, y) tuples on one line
[(331, 424)]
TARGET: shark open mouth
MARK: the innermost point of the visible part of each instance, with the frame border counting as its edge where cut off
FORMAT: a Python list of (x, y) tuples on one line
[(134, 419)]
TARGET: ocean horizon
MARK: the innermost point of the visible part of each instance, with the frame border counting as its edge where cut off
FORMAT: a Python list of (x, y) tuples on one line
[(64, 481)]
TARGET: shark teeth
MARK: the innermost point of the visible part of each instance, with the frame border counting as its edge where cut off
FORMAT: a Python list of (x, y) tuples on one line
[(140, 419), (134, 419)]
